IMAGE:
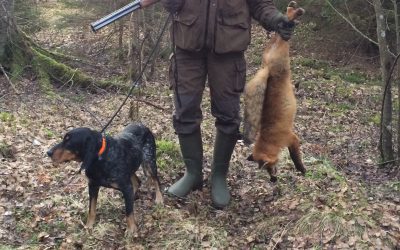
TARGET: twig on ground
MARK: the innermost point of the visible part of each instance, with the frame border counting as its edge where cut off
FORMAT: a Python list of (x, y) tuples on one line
[(151, 104), (8, 79), (387, 162), (283, 232), (1, 97)]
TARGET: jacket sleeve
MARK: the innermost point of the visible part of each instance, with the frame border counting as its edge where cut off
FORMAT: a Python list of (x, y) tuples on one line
[(263, 11)]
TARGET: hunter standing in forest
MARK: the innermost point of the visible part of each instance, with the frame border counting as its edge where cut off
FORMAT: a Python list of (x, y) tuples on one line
[(210, 38)]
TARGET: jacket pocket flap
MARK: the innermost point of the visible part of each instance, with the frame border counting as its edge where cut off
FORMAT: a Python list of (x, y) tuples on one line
[(235, 21), (187, 19), (240, 66)]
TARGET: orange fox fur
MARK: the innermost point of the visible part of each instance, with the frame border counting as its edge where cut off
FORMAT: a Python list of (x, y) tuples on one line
[(270, 105)]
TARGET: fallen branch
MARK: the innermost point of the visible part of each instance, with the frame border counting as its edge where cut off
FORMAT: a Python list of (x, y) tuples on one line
[(387, 162), (8, 79), (152, 104), (282, 233)]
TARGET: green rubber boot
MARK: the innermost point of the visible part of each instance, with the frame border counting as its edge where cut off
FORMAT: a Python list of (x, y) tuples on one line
[(223, 148), (192, 152)]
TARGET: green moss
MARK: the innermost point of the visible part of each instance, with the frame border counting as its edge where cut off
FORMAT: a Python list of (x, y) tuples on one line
[(18, 57), (6, 117), (325, 171), (6, 150), (312, 63), (49, 133), (168, 154), (6, 247), (44, 81), (394, 186), (354, 77), (59, 71), (375, 119), (23, 53)]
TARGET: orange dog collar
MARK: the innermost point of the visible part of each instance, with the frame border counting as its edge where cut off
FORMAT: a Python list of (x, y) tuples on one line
[(103, 146)]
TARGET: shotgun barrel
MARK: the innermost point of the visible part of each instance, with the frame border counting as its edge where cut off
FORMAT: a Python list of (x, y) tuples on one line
[(127, 9)]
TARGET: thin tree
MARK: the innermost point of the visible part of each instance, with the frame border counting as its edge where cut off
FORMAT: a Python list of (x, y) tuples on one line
[(386, 140), (397, 30), (386, 135)]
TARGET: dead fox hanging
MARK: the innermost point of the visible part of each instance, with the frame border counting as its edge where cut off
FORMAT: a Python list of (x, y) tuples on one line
[(270, 105)]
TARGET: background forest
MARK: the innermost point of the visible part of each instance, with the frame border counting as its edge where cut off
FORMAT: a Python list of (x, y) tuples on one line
[(56, 74)]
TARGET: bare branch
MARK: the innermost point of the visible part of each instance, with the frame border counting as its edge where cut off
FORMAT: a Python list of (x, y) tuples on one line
[(350, 23)]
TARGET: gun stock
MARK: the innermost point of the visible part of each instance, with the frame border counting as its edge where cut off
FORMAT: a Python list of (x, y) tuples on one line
[(127, 9)]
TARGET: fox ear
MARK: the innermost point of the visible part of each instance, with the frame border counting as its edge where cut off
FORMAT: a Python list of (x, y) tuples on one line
[(250, 158)]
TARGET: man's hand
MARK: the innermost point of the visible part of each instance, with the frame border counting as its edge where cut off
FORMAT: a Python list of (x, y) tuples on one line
[(173, 6), (283, 26)]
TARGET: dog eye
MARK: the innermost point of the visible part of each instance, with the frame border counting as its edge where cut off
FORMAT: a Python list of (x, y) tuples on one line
[(66, 138)]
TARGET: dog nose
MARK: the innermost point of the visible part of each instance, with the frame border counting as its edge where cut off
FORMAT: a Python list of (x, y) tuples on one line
[(50, 153)]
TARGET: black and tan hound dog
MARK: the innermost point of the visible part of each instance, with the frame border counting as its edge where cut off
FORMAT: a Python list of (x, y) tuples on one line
[(111, 162)]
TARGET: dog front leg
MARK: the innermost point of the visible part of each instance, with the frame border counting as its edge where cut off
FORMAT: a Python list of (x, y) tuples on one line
[(127, 192), (93, 193)]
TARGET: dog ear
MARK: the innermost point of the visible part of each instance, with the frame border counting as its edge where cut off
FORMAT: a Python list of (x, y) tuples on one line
[(90, 152)]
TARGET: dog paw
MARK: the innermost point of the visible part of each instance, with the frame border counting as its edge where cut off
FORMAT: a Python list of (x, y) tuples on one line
[(159, 200), (89, 228), (131, 233), (131, 228), (89, 224)]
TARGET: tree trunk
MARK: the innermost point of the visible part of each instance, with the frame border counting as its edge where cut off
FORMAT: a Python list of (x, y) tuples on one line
[(18, 53), (397, 30), (386, 144), (6, 29), (135, 46)]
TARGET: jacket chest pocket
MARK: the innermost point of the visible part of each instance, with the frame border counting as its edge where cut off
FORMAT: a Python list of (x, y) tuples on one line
[(188, 32), (233, 27), (189, 26)]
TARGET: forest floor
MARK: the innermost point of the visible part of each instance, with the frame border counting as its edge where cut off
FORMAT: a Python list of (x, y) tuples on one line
[(345, 201)]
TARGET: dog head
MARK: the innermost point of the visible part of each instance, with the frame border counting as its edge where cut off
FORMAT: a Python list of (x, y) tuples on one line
[(80, 144)]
